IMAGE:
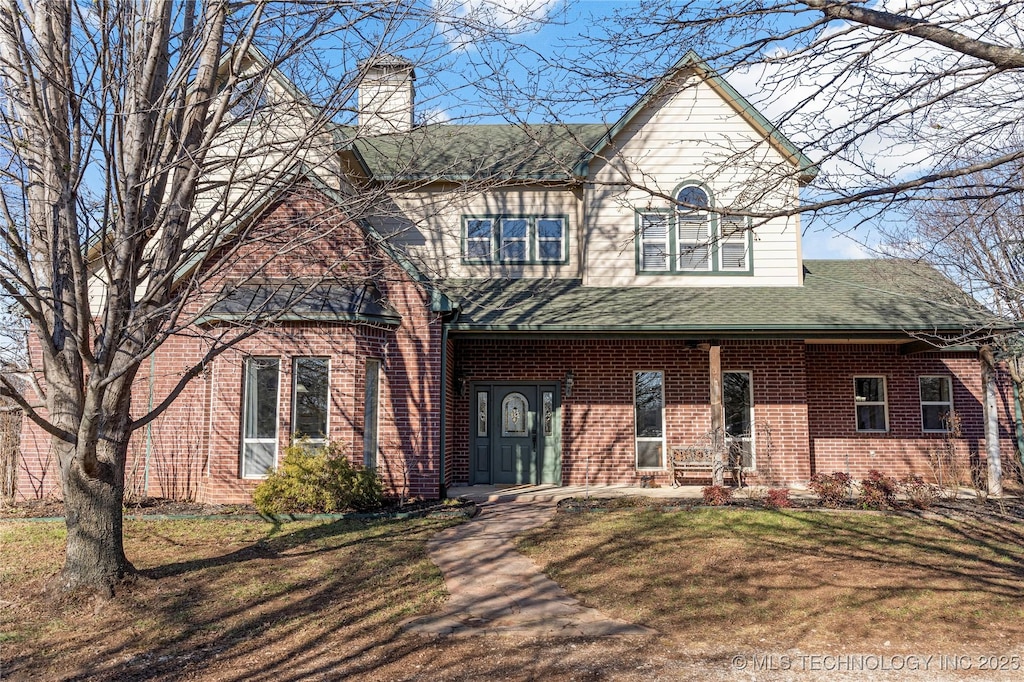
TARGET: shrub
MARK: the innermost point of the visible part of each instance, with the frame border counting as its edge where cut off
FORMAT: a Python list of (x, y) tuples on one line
[(832, 490), (777, 498), (877, 491), (318, 480), (920, 495), (716, 495)]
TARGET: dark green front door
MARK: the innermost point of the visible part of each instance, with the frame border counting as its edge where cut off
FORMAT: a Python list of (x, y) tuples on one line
[(515, 447), (515, 435)]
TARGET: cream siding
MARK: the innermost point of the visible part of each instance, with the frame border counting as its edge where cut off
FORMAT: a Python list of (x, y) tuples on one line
[(691, 134), (428, 225)]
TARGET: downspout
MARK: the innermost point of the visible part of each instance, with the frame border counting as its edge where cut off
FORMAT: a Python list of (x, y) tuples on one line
[(441, 488), (1018, 419)]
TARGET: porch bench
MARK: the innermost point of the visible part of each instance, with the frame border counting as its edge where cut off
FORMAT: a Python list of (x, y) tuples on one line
[(699, 459)]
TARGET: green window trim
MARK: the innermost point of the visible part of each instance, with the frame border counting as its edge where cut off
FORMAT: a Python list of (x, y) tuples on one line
[(699, 241), (515, 239)]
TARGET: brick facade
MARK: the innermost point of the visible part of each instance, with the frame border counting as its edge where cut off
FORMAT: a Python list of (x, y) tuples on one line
[(803, 404), (193, 448)]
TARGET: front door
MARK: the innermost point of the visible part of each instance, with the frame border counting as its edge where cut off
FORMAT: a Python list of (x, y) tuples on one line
[(515, 434), (515, 448)]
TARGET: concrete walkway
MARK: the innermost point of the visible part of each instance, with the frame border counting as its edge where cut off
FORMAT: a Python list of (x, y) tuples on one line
[(496, 590)]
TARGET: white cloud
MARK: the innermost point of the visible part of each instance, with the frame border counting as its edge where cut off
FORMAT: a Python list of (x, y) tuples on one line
[(465, 22)]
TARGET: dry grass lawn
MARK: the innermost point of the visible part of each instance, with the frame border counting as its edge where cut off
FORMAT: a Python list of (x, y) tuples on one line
[(807, 579), (243, 600)]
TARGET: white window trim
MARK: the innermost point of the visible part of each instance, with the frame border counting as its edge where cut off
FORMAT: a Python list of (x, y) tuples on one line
[(295, 402), (648, 439), (884, 403), (562, 240), (923, 402), (277, 411), (667, 242), (753, 428), (376, 415)]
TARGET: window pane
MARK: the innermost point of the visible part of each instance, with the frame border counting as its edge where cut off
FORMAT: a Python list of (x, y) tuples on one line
[(935, 389), (871, 418), (258, 459), (734, 256), (370, 413), (693, 257), (478, 228), (933, 417), (548, 412), (692, 197), (478, 249), (481, 413), (261, 398), (550, 251), (693, 229), (549, 228), (648, 454), (513, 228), (736, 403), (513, 251), (514, 415), (869, 389), (648, 404), (654, 227), (311, 379)]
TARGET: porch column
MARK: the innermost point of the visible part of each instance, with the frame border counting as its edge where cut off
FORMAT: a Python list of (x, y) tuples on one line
[(717, 416), (991, 412)]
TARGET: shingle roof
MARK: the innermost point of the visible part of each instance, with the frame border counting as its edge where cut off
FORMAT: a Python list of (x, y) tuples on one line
[(295, 301), (461, 152), (839, 297)]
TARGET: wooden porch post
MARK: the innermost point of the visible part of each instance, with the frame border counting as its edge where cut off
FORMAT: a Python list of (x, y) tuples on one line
[(717, 416), (991, 412)]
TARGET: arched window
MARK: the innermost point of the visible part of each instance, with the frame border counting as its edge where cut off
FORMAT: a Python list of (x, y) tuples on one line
[(693, 221)]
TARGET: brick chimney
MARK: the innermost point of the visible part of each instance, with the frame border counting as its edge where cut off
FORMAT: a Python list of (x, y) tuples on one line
[(386, 95)]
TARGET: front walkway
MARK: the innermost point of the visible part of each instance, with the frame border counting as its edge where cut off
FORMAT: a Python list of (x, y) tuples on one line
[(554, 493), (496, 590)]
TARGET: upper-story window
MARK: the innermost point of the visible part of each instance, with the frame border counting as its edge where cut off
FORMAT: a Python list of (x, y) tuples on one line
[(693, 238), (515, 239)]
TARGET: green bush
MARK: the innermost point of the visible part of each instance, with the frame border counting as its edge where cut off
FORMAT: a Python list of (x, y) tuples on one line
[(318, 480)]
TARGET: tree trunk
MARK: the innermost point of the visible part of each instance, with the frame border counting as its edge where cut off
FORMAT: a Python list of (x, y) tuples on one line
[(992, 455), (93, 485)]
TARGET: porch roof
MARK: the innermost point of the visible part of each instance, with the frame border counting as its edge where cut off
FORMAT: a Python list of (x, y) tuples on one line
[(839, 298)]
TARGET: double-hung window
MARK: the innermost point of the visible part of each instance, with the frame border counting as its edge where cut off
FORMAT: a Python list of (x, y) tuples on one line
[(870, 404), (515, 239), (649, 410), (738, 405), (693, 223), (732, 243), (654, 248), (936, 403), (259, 416)]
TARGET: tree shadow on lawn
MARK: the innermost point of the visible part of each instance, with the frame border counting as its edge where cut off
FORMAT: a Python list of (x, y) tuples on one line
[(793, 577), (336, 590)]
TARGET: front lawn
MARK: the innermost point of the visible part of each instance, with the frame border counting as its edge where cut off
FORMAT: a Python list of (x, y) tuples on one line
[(809, 579), (229, 599)]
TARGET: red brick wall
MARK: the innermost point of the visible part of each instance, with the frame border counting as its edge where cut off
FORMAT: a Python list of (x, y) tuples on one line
[(597, 420), (803, 403), (904, 449), (193, 448)]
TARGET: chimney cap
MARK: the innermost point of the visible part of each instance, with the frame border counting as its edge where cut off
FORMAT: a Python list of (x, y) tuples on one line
[(386, 61)]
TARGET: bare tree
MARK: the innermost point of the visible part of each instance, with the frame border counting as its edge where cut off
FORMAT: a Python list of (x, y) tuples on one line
[(888, 103), (134, 137), (977, 240)]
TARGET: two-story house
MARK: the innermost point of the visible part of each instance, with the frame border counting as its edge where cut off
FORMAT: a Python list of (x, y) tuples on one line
[(562, 304)]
